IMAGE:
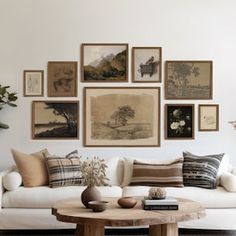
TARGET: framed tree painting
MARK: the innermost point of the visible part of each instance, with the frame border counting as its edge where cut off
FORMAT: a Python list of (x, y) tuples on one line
[(55, 120), (179, 121), (146, 64), (188, 80), (104, 62), (122, 117), (208, 117), (33, 83), (62, 78)]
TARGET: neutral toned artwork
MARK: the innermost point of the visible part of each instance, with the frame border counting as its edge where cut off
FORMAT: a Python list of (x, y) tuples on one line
[(179, 121), (104, 62), (62, 79), (55, 120), (122, 116), (146, 64), (188, 80), (208, 117), (33, 83)]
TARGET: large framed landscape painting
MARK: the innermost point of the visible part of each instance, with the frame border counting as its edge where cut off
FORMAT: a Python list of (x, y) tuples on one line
[(104, 62), (188, 80), (179, 121), (122, 117), (62, 78), (55, 120)]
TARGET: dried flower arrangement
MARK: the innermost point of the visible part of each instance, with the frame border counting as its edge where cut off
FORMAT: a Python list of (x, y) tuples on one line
[(157, 193), (93, 172)]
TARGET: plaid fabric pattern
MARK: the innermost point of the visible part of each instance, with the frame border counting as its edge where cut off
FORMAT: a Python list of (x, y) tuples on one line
[(201, 171), (160, 175), (64, 171)]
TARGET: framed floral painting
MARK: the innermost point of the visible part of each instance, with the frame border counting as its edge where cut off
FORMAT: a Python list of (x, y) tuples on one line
[(179, 121)]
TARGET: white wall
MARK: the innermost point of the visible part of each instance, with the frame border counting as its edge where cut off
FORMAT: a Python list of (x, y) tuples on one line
[(35, 32)]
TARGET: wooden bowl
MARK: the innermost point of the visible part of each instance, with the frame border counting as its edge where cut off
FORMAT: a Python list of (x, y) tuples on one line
[(127, 202), (98, 206)]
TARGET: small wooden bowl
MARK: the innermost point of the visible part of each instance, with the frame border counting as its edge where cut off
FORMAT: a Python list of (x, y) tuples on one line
[(98, 206), (127, 202)]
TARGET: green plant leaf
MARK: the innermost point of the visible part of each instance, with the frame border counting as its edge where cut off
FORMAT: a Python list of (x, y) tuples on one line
[(3, 126), (12, 104)]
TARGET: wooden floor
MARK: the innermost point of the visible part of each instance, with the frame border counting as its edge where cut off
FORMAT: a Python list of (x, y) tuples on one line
[(143, 232)]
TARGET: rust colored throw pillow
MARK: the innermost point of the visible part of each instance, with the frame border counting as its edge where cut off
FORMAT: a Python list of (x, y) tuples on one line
[(32, 167), (160, 175)]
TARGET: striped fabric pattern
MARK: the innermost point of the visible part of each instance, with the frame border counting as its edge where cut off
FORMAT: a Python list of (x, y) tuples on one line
[(201, 171), (160, 175), (64, 171)]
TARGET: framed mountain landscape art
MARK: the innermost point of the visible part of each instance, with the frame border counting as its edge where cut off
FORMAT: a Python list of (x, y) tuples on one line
[(188, 80), (146, 64), (122, 116), (55, 120), (104, 62)]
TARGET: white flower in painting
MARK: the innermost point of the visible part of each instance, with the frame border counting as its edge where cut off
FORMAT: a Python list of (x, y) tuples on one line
[(187, 117), (174, 125), (182, 123), (176, 113)]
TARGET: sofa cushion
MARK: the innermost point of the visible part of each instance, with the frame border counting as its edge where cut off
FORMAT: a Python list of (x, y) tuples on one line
[(31, 167), (201, 171), (228, 181), (209, 198), (12, 180), (146, 174), (45, 197)]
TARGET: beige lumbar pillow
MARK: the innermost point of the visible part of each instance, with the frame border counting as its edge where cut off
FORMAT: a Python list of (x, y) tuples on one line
[(32, 167)]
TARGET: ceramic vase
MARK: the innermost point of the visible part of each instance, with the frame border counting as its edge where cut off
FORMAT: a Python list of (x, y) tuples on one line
[(91, 193)]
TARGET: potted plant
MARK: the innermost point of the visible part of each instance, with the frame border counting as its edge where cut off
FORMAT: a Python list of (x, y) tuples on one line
[(93, 174), (6, 98)]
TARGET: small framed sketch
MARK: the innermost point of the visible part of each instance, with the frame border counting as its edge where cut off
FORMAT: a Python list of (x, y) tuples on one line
[(179, 121), (146, 64), (208, 117), (188, 80), (62, 78), (55, 120), (122, 116), (104, 63), (33, 83)]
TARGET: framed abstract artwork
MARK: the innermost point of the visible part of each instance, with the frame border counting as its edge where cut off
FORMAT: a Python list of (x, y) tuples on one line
[(55, 120), (104, 62), (208, 117), (62, 78), (179, 121), (146, 64), (33, 83), (122, 116), (188, 80)]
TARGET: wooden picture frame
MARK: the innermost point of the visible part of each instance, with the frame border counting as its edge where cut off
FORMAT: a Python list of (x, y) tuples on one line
[(62, 79), (122, 116), (188, 79), (146, 64), (55, 119), (208, 117), (104, 62), (33, 83), (179, 121)]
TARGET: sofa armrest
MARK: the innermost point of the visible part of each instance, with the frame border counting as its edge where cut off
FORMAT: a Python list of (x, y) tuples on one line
[(228, 181), (2, 190)]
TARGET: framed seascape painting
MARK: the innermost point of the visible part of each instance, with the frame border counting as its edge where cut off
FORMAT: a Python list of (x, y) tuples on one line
[(122, 117), (62, 78), (33, 83), (179, 121), (104, 62), (208, 117), (146, 64), (55, 120), (188, 80)]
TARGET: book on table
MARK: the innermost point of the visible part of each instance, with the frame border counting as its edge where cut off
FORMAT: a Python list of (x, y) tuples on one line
[(160, 207)]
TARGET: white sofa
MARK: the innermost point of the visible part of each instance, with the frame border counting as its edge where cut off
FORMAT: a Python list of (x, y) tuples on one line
[(30, 208)]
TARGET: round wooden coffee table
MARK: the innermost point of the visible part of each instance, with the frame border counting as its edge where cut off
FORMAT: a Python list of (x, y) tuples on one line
[(90, 223)]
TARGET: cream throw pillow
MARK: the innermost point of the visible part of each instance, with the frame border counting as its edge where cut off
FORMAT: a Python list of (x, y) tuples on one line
[(32, 167)]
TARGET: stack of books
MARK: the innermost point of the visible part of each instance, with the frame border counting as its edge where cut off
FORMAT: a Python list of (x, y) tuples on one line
[(169, 203)]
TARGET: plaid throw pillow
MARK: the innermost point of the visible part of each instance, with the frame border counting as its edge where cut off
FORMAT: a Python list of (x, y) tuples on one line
[(64, 171), (160, 175), (201, 171)]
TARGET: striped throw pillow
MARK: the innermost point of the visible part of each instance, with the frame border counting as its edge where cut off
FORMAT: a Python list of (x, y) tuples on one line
[(160, 175), (64, 171), (201, 171)]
